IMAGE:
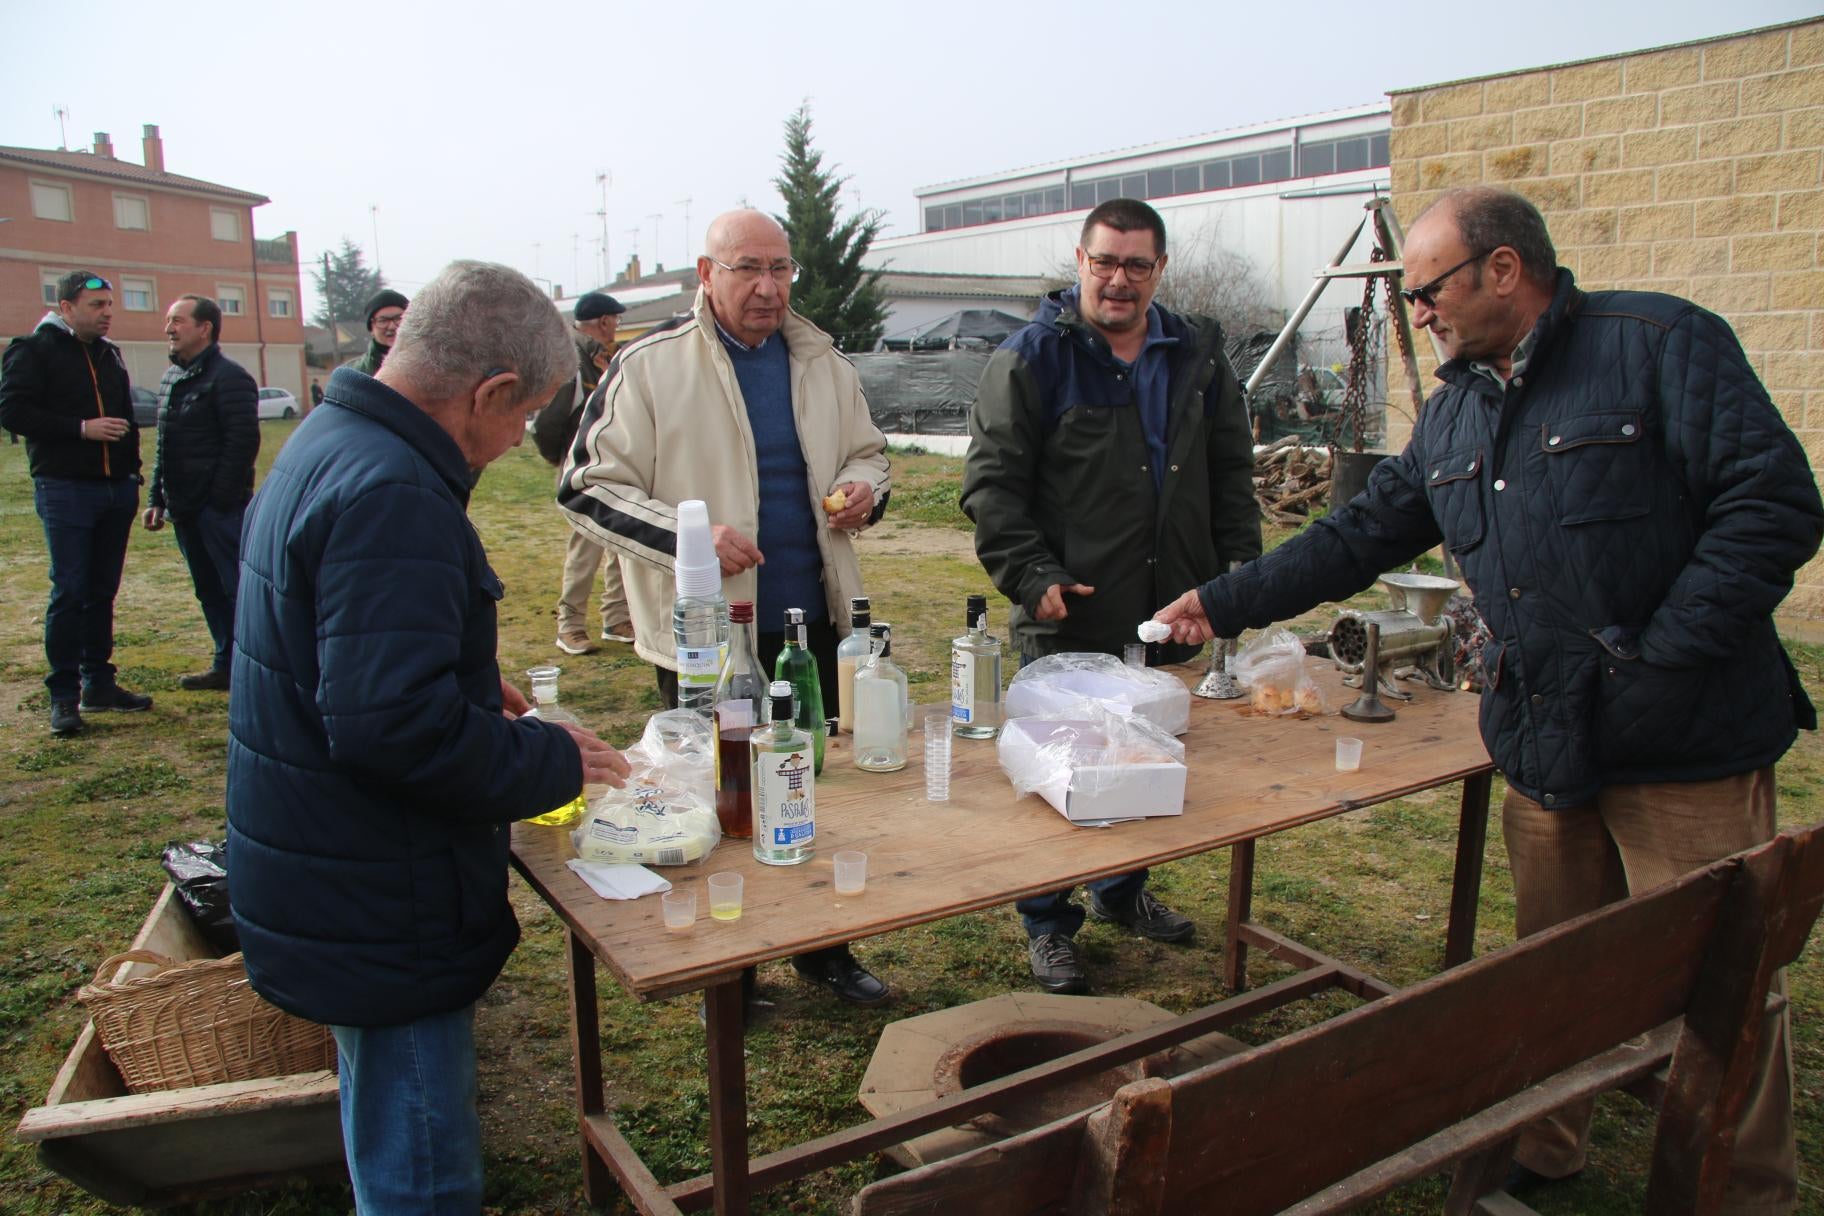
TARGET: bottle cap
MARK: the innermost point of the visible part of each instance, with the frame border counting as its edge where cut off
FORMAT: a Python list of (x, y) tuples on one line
[(741, 612), (794, 616), (974, 608), (860, 603), (878, 629), (779, 688), (698, 571)]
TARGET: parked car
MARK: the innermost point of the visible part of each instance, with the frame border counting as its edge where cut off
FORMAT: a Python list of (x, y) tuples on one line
[(277, 403), (145, 408)]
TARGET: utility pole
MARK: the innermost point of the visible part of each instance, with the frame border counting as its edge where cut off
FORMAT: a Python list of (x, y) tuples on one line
[(655, 217), (605, 179), (685, 203), (535, 248), (329, 304), (576, 260), (373, 215)]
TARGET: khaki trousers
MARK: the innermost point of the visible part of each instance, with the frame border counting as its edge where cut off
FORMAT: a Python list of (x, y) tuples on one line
[(1634, 838), (582, 557)]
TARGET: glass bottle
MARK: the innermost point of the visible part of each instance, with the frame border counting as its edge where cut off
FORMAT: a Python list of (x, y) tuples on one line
[(740, 706), (797, 666), (785, 786), (880, 707), (975, 675), (699, 614), (849, 653), (545, 706)]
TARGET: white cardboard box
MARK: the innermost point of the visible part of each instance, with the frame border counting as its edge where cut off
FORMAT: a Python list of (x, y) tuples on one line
[(1085, 791), (1159, 697)]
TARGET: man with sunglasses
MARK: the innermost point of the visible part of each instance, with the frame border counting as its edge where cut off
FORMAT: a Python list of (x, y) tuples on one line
[(64, 387), (385, 312), (743, 403), (1628, 508), (1110, 461)]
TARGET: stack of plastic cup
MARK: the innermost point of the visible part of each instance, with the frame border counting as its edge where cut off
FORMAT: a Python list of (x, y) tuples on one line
[(937, 754)]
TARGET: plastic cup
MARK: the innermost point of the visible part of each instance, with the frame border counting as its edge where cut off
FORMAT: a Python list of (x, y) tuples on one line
[(680, 909), (725, 896), (851, 871), (1134, 654), (937, 754), (1348, 755)]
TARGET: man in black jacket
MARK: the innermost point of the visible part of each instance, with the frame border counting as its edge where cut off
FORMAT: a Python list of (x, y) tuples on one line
[(384, 314), (64, 387), (208, 437), (1109, 464), (1628, 508)]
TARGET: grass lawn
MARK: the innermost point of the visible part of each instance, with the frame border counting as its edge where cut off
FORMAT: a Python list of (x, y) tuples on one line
[(85, 820)]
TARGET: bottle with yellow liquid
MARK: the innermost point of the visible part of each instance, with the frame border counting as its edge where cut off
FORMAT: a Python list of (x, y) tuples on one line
[(544, 705)]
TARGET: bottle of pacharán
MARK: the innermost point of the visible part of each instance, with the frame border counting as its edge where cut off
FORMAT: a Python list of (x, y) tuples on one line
[(784, 785)]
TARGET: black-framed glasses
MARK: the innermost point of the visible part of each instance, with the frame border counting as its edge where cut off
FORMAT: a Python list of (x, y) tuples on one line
[(784, 271), (1138, 269), (1427, 293), (388, 320)]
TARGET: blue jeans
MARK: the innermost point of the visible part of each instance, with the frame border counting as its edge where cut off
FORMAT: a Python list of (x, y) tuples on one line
[(1053, 912), (86, 527), (211, 545), (409, 1123)]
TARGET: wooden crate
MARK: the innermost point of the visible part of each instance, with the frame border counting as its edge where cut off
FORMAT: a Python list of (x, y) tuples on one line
[(181, 1145)]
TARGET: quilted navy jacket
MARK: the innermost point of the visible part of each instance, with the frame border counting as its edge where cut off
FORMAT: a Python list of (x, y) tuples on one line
[(1628, 512), (371, 776)]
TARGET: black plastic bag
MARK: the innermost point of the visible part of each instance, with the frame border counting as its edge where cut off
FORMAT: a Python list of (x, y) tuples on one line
[(200, 870)]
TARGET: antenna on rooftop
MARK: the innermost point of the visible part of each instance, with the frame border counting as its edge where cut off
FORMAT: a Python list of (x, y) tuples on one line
[(685, 203), (63, 137), (605, 179)]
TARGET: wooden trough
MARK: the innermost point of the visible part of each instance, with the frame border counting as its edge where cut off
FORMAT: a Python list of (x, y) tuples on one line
[(181, 1145)]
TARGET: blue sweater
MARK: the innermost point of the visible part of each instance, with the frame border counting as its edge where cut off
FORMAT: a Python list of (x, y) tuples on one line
[(792, 575)]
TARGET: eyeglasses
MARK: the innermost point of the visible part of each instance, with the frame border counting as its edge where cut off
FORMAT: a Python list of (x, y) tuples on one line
[(786, 271), (394, 319), (1138, 269), (1428, 293)]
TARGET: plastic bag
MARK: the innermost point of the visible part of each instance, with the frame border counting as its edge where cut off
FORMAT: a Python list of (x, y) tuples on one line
[(1272, 667), (666, 813), (199, 870), (1077, 685), (1044, 750)]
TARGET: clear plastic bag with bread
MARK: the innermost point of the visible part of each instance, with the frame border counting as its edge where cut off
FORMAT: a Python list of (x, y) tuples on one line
[(666, 813), (1272, 668)]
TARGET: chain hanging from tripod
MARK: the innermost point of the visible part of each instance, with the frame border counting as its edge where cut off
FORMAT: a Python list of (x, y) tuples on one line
[(1350, 422)]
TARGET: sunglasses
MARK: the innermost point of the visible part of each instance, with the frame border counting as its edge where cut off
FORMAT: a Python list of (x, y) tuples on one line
[(1427, 294)]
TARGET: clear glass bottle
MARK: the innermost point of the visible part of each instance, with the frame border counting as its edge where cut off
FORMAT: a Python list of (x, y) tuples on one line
[(699, 614), (849, 654), (545, 706), (785, 785), (880, 707), (975, 675), (797, 666), (740, 702)]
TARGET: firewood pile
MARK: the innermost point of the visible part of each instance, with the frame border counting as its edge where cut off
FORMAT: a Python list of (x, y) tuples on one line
[(1290, 476)]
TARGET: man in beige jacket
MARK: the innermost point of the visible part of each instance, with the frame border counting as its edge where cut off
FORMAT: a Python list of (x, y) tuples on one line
[(746, 405)]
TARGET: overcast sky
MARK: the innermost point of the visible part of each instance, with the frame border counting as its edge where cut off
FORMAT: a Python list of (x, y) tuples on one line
[(478, 130)]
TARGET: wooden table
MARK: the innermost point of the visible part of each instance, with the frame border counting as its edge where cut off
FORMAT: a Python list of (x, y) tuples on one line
[(1249, 777)]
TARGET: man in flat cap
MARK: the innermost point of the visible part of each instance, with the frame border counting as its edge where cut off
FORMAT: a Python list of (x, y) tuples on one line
[(384, 312), (597, 314)]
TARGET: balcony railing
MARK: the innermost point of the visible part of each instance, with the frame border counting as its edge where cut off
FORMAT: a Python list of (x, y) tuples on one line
[(278, 252)]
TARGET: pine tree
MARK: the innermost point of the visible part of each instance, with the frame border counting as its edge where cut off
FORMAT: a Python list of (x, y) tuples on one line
[(834, 291), (349, 285)]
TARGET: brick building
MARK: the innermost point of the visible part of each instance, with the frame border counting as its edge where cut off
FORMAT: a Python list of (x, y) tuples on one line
[(155, 235), (1693, 169)]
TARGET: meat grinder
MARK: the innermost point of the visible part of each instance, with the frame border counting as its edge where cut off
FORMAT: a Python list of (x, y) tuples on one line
[(1416, 638)]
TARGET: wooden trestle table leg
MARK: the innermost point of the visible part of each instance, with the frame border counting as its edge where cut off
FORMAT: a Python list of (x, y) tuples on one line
[(1241, 903), (586, 1051), (1466, 881), (727, 1096)]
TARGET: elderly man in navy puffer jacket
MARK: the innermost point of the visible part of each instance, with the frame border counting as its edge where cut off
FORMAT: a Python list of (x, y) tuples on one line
[(372, 773), (1628, 508)]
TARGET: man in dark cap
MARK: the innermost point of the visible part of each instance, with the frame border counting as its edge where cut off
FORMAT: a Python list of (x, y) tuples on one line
[(597, 314), (384, 312)]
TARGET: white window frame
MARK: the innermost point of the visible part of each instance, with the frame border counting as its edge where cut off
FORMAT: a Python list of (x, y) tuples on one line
[(151, 286), (48, 282), (145, 205), (69, 201), (216, 217), (227, 292), (273, 296)]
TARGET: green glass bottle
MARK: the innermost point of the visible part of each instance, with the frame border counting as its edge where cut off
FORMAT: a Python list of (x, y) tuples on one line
[(798, 667)]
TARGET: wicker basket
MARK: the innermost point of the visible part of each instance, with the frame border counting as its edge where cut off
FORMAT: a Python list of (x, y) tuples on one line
[(197, 1023)]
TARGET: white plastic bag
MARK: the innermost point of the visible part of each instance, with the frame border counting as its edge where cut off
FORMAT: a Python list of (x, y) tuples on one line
[(1099, 768), (666, 813), (1272, 668), (1076, 684)]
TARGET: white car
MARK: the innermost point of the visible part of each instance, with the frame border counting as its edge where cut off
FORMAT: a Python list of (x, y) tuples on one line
[(277, 403)]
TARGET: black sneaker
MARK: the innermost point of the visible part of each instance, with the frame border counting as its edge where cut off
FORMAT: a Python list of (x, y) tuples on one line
[(65, 720), (1145, 916), (213, 680), (114, 698), (838, 971), (1056, 965)]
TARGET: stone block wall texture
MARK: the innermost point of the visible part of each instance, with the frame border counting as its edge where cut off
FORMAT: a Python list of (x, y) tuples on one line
[(1695, 169)]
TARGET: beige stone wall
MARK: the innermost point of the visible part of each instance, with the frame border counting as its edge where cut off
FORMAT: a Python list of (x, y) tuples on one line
[(1694, 170)]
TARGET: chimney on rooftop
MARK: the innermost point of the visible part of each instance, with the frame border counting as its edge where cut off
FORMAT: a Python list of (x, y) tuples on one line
[(155, 149), (632, 273), (104, 146)]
